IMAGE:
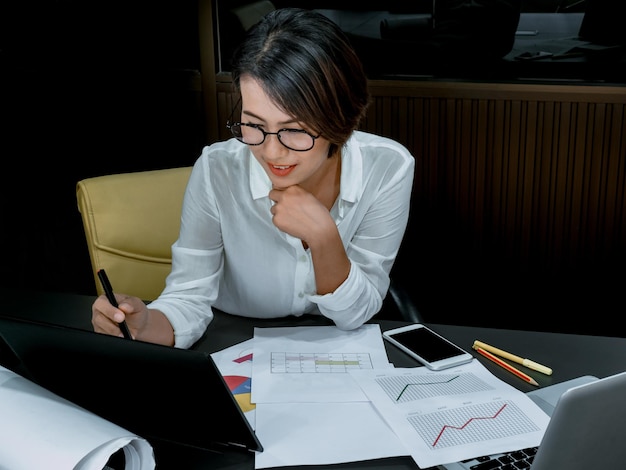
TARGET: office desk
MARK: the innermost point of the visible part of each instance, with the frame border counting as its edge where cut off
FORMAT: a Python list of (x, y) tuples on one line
[(569, 355)]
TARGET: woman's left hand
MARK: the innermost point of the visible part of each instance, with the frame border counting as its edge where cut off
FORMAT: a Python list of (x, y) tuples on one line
[(299, 213)]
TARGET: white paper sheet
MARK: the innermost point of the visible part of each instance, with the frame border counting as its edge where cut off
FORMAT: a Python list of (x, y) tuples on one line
[(322, 433), (306, 433), (454, 414), (39, 429), (311, 363)]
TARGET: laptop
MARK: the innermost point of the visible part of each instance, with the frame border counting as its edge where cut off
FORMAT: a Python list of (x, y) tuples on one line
[(176, 395), (585, 429)]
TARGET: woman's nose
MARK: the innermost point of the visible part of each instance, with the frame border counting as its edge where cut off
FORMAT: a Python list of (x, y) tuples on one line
[(273, 144)]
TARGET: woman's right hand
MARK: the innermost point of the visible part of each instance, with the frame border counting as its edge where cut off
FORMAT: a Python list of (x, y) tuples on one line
[(145, 324), (106, 318)]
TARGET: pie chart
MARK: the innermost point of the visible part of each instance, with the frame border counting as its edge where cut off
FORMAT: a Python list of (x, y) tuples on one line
[(241, 387)]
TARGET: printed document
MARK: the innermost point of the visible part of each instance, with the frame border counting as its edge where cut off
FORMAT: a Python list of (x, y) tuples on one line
[(454, 414), (318, 432), (311, 363)]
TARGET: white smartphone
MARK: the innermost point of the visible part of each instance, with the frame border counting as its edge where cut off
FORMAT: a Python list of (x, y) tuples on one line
[(427, 347)]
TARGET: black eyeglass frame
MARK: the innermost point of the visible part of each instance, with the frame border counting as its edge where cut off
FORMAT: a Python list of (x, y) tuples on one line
[(231, 125)]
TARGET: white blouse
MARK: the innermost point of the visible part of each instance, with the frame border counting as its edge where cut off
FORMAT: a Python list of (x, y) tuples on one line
[(231, 256)]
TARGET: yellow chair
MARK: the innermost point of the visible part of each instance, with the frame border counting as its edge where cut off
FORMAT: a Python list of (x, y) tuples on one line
[(131, 221)]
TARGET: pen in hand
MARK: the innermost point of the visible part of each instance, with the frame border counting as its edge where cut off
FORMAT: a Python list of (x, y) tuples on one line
[(108, 290)]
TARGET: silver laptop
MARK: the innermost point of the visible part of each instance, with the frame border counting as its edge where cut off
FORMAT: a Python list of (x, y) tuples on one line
[(585, 429)]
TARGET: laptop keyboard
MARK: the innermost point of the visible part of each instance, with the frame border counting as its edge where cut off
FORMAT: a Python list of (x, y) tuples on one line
[(516, 460)]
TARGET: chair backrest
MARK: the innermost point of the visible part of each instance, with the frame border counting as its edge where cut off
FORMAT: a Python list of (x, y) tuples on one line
[(131, 221)]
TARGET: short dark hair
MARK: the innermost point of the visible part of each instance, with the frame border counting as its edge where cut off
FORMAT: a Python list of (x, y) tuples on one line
[(307, 66)]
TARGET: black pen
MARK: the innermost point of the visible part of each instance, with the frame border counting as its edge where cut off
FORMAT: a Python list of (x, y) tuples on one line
[(108, 290)]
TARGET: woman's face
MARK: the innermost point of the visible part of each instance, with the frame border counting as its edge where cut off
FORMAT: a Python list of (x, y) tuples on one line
[(284, 167)]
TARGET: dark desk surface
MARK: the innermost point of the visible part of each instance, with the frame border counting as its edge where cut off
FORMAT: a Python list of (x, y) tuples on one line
[(569, 355)]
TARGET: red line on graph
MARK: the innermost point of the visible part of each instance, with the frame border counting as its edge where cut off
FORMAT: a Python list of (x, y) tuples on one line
[(462, 427)]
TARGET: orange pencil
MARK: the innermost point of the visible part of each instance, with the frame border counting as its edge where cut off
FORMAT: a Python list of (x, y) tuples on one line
[(512, 357), (509, 367)]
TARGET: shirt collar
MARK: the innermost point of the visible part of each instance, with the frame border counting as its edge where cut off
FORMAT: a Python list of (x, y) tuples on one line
[(351, 171), (260, 183)]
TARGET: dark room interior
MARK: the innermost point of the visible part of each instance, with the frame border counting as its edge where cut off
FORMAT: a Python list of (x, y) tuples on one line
[(89, 89)]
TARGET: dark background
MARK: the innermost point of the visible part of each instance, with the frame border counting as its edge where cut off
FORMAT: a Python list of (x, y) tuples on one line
[(88, 89)]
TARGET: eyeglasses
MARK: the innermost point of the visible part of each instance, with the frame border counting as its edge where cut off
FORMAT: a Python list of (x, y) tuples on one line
[(298, 140)]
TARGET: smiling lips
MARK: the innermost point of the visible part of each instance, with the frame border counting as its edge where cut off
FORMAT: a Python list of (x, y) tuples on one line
[(281, 170)]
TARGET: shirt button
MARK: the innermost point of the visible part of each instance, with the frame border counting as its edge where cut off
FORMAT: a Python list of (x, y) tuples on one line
[(301, 294), (302, 258)]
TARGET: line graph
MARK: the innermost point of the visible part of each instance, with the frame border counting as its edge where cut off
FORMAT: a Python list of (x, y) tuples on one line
[(471, 424), (455, 414), (408, 388), (467, 423)]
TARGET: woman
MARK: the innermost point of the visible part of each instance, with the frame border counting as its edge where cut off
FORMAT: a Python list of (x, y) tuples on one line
[(299, 212)]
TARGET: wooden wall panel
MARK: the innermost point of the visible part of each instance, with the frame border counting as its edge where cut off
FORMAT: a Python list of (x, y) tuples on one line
[(541, 176)]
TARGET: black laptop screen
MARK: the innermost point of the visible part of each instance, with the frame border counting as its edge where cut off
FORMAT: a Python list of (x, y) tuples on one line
[(174, 395)]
